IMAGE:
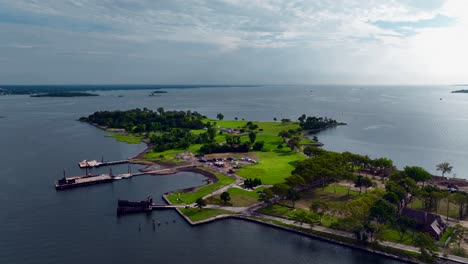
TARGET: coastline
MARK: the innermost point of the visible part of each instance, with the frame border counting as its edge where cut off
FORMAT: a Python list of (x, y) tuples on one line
[(375, 248)]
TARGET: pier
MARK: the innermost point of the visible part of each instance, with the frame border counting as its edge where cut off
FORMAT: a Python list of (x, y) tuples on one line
[(88, 179), (95, 164), (145, 206)]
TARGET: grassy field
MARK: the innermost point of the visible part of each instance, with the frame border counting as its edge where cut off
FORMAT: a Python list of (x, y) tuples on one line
[(280, 210), (390, 234), (273, 166), (453, 208), (195, 214), (327, 194), (130, 139), (239, 198), (191, 197)]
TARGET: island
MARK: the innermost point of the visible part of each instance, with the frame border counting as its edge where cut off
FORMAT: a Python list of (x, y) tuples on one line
[(460, 91), (64, 94), (272, 173)]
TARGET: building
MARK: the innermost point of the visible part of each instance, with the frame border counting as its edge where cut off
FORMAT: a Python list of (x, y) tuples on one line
[(432, 224)]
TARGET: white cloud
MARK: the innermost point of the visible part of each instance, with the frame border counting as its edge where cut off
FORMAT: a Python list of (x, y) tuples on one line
[(342, 30)]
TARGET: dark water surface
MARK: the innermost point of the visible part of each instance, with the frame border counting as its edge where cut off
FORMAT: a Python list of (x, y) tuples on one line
[(39, 137)]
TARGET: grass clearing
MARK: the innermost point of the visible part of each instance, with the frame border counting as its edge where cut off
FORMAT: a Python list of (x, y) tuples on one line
[(127, 138), (418, 204), (327, 194), (273, 167), (191, 197), (196, 214), (390, 234)]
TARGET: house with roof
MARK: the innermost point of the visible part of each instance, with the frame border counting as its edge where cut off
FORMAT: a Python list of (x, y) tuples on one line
[(432, 224)]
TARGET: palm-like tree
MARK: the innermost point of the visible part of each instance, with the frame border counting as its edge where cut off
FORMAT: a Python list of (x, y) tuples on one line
[(444, 167)]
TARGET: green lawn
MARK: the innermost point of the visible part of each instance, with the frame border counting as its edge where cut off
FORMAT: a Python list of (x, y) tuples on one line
[(273, 167), (390, 234), (239, 197), (242, 198), (191, 197), (418, 204), (130, 139), (288, 212), (196, 215)]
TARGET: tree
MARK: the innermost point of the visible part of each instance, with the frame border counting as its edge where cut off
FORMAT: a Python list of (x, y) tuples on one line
[(313, 151), (319, 207), (226, 197), (295, 181), (258, 145), (418, 174), (302, 217), (461, 199), (294, 196), (252, 137), (280, 146), (280, 189), (423, 240), (266, 195), (383, 211), (275, 119), (220, 116), (211, 131), (200, 203), (444, 167), (293, 143), (363, 182), (403, 224)]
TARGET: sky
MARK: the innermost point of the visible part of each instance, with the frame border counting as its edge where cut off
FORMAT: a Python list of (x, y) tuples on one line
[(233, 42)]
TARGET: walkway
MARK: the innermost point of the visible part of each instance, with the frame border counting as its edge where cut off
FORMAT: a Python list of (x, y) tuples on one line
[(351, 235)]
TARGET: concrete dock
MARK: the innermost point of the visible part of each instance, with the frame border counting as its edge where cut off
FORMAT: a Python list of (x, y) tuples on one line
[(95, 164), (85, 180)]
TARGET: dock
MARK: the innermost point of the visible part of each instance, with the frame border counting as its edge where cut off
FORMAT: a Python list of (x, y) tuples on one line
[(88, 179), (95, 164), (145, 206)]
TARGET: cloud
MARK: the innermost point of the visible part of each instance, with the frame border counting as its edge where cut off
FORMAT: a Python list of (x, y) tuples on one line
[(388, 38)]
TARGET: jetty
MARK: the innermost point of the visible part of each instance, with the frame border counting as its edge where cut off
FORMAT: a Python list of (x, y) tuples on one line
[(144, 206), (89, 179), (94, 163)]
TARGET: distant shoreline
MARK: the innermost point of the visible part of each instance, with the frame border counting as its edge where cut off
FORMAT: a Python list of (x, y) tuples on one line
[(64, 94)]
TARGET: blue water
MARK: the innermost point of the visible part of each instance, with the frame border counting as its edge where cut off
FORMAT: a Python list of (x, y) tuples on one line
[(39, 137)]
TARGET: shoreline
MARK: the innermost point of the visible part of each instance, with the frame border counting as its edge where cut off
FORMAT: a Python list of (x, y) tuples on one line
[(385, 250)]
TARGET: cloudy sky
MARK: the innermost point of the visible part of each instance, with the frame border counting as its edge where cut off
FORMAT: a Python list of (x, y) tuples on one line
[(234, 41)]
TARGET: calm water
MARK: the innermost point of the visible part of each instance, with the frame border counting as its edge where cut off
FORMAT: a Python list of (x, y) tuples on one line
[(39, 137)]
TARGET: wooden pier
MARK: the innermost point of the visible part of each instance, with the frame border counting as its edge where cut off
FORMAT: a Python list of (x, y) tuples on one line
[(85, 180)]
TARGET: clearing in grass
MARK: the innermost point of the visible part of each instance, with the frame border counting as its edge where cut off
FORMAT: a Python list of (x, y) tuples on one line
[(192, 196), (196, 214)]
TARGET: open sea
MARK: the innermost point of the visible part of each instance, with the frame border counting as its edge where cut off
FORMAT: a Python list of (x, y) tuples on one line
[(39, 137)]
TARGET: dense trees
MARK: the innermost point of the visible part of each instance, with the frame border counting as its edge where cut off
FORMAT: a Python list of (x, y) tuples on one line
[(312, 122), (168, 129), (139, 121), (252, 183)]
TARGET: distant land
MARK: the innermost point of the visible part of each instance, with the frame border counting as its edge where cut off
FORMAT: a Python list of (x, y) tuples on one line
[(460, 91), (36, 89), (64, 94)]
